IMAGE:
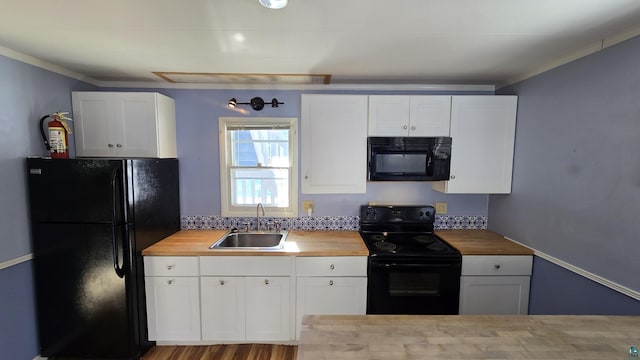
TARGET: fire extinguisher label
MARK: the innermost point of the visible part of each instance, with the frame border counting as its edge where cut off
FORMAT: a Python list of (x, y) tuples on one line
[(57, 139)]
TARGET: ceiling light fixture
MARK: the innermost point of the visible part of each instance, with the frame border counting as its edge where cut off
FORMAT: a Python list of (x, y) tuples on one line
[(256, 103), (273, 4)]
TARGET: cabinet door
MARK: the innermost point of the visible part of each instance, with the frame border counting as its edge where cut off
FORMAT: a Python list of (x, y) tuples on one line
[(430, 116), (173, 308), (223, 308), (330, 296), (268, 309), (389, 115), (334, 144), (483, 132), (135, 119), (93, 124), (494, 295)]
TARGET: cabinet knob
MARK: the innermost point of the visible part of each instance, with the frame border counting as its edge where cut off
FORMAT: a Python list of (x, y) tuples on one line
[(405, 127), (110, 145), (170, 282), (331, 282), (306, 176), (413, 127), (266, 281), (332, 267), (119, 145), (497, 266), (453, 177), (221, 282), (169, 267)]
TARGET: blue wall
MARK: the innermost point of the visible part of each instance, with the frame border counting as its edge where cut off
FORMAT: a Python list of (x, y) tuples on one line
[(558, 291), (26, 94), (576, 180)]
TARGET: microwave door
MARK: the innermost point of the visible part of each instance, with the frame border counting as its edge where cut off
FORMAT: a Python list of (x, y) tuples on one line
[(429, 164)]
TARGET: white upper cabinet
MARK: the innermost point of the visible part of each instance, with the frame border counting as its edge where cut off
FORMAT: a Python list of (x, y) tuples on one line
[(399, 115), (483, 132), (124, 124), (334, 144)]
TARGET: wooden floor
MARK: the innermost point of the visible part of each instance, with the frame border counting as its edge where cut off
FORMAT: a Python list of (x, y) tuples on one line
[(223, 352)]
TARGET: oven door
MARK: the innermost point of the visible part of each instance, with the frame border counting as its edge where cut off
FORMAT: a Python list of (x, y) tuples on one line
[(416, 286)]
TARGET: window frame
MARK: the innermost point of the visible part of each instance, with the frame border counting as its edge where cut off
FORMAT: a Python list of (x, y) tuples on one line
[(227, 209)]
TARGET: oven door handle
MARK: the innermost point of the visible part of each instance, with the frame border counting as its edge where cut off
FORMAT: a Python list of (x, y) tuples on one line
[(385, 265)]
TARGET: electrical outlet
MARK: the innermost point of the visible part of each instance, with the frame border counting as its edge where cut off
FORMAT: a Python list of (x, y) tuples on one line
[(307, 204), (441, 208)]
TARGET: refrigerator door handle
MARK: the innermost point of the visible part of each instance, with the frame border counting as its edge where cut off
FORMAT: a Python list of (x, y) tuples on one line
[(114, 219)]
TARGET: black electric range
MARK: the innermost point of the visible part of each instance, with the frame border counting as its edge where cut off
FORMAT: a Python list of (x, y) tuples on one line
[(410, 269)]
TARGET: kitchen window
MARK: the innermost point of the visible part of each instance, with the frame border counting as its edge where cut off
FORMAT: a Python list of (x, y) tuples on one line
[(259, 164)]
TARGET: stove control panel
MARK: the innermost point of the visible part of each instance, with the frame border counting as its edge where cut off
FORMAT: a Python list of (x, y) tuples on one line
[(380, 214)]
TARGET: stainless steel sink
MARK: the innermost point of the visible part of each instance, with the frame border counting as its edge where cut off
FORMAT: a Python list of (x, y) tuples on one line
[(257, 240)]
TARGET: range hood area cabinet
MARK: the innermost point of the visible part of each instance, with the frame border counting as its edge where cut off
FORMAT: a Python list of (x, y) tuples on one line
[(402, 115), (124, 124), (483, 133), (334, 144)]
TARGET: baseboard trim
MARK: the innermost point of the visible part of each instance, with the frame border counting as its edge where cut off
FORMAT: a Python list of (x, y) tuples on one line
[(582, 272), (16, 261)]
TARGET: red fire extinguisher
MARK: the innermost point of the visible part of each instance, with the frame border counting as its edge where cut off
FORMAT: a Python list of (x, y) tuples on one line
[(57, 142)]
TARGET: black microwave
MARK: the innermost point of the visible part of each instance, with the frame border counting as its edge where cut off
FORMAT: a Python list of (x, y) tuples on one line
[(409, 158)]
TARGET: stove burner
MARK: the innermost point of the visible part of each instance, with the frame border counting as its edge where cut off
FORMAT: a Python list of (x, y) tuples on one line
[(425, 239), (385, 246), (436, 247), (378, 237)]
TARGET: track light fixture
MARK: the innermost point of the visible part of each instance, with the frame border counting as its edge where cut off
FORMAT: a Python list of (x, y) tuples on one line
[(256, 103)]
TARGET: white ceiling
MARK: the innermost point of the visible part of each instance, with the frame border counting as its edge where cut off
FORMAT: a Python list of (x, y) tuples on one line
[(355, 41)]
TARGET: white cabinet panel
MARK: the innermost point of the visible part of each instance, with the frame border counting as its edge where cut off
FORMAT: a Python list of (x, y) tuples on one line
[(171, 265), (483, 132), (246, 265), (223, 308), (401, 115), (334, 144), (330, 296), (494, 295), (331, 266), (268, 309), (124, 124), (173, 308), (497, 265), (495, 284)]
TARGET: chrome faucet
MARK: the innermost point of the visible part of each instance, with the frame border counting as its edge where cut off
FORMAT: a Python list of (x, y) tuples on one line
[(258, 215)]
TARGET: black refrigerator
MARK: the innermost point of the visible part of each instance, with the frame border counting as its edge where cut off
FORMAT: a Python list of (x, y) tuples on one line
[(90, 220)]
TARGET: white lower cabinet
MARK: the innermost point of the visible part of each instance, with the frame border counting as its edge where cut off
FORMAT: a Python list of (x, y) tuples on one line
[(173, 298), (223, 308), (495, 285), (330, 286), (220, 299), (249, 301)]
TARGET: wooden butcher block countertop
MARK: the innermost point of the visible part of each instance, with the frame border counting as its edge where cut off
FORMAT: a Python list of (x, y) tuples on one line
[(400, 337), (298, 243), (482, 242)]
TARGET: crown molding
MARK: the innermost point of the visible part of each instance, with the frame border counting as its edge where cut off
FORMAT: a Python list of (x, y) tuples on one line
[(28, 59)]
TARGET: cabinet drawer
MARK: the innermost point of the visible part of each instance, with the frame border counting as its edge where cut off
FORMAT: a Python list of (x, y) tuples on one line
[(496, 265), (245, 265), (171, 266), (331, 266)]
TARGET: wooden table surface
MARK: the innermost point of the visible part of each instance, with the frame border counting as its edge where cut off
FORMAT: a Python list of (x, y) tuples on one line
[(298, 243), (400, 337)]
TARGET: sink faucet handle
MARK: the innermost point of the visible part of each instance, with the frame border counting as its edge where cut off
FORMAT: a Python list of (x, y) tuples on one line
[(270, 225), (276, 225), (246, 226)]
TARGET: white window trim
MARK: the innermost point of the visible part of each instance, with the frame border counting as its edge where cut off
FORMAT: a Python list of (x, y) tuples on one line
[(225, 186)]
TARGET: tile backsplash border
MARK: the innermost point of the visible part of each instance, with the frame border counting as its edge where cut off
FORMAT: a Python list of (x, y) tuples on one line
[(442, 222)]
